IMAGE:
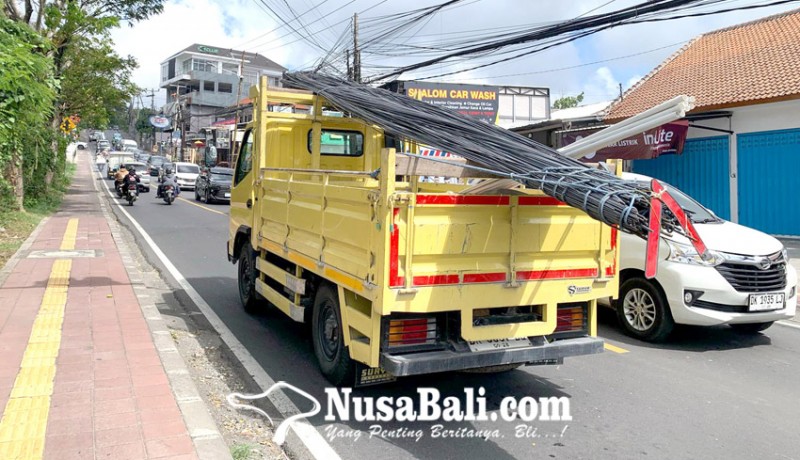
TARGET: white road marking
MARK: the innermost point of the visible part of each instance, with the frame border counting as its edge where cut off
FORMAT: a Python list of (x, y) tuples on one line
[(788, 323)]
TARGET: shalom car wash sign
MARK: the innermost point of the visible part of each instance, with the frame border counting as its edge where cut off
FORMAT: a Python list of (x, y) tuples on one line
[(662, 140), (476, 101)]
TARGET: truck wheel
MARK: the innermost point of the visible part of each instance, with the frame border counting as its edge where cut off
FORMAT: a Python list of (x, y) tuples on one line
[(751, 328), (332, 355), (247, 279), (643, 311)]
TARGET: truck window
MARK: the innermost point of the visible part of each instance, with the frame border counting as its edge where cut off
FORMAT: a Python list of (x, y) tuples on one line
[(245, 162), (339, 143)]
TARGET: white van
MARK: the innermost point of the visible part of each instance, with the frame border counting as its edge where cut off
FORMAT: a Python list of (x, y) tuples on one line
[(744, 281), (186, 174), (129, 145)]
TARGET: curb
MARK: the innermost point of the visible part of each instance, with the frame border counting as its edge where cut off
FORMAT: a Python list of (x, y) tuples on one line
[(303, 440), (207, 440)]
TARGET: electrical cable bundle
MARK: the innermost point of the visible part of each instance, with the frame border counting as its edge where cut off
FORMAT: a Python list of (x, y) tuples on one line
[(601, 195)]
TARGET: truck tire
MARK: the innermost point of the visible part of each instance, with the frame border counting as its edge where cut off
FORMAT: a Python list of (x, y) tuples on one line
[(643, 310), (247, 279), (751, 328), (326, 331)]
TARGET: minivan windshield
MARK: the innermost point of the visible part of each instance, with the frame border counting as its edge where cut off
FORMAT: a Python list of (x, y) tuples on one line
[(696, 212)]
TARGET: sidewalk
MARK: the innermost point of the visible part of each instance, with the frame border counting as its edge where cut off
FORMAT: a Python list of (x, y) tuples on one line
[(80, 374)]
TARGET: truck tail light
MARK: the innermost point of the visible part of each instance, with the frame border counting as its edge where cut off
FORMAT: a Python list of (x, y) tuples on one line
[(412, 331), (571, 318)]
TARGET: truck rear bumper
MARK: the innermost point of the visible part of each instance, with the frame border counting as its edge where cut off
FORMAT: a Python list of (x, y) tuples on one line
[(445, 360)]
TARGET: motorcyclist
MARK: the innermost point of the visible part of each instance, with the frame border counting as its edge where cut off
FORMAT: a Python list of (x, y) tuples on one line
[(131, 180), (169, 180), (120, 175)]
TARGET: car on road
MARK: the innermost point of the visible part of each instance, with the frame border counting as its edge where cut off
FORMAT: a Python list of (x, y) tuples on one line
[(154, 164), (103, 144), (144, 184), (214, 185), (186, 174), (96, 135), (745, 279), (129, 145)]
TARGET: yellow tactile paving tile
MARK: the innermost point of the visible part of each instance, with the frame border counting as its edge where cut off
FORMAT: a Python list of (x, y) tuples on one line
[(68, 242), (24, 418)]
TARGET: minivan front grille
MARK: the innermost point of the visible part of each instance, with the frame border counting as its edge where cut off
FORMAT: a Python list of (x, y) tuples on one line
[(751, 278)]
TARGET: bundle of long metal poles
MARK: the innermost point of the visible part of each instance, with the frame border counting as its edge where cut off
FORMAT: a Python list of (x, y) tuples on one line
[(601, 195)]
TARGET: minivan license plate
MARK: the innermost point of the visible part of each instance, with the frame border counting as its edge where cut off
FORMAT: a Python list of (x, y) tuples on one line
[(498, 344), (766, 302)]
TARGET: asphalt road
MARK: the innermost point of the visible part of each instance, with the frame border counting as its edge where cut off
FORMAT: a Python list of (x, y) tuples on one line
[(708, 393)]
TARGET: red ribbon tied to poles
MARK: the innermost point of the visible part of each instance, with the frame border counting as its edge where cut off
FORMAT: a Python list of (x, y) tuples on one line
[(662, 197)]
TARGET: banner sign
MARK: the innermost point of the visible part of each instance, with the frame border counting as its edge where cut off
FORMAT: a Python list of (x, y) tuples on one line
[(159, 121), (476, 101), (661, 140)]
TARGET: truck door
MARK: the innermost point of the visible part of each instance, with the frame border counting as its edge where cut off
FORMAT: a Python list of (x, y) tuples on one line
[(242, 196)]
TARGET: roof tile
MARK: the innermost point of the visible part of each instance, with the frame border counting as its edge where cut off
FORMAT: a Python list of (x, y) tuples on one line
[(754, 61)]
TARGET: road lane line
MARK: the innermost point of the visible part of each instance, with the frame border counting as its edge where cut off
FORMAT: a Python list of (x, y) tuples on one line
[(614, 348), (201, 206), (24, 420), (788, 323), (313, 441)]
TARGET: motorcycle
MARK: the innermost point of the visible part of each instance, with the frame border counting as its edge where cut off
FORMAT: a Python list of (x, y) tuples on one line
[(168, 194), (132, 194), (118, 185)]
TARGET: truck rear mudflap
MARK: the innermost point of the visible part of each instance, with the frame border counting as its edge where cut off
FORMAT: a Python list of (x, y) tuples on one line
[(540, 352)]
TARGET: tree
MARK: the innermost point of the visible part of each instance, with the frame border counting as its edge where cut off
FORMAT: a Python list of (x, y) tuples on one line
[(27, 92), (73, 36), (567, 102)]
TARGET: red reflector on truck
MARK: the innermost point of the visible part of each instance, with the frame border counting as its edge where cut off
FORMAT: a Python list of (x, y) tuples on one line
[(415, 331), (570, 319)]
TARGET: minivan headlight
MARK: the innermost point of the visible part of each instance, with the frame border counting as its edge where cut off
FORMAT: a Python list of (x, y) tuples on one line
[(785, 254), (687, 254)]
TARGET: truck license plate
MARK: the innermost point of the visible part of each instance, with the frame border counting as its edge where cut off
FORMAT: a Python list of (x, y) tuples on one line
[(498, 344), (765, 302)]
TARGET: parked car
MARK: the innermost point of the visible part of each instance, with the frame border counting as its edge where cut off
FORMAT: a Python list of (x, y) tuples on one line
[(154, 164), (214, 185), (186, 174), (144, 184), (745, 280)]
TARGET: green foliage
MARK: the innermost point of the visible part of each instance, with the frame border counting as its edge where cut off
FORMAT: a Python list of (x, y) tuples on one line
[(57, 59), (27, 92), (567, 102), (241, 451)]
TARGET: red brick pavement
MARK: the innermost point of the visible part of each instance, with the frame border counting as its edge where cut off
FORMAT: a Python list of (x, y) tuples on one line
[(111, 397)]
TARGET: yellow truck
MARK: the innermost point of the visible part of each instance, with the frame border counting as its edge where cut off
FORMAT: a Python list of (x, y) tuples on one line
[(397, 276)]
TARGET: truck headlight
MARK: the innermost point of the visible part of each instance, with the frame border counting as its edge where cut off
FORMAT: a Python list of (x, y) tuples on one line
[(687, 254)]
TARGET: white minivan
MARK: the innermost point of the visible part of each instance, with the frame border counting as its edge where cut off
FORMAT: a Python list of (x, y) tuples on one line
[(186, 174), (744, 281)]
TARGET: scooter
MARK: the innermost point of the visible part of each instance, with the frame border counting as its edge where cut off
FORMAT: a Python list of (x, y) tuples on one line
[(132, 194), (168, 194), (118, 185)]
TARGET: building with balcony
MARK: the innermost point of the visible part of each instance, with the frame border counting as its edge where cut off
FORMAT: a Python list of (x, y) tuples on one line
[(202, 82)]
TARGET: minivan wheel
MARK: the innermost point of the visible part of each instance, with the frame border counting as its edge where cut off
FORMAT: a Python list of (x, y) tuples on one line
[(751, 328), (643, 311), (327, 334)]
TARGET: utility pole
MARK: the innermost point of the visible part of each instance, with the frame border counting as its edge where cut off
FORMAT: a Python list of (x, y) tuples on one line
[(233, 151), (349, 68), (356, 52)]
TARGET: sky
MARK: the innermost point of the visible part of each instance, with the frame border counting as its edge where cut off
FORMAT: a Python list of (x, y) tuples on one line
[(595, 65)]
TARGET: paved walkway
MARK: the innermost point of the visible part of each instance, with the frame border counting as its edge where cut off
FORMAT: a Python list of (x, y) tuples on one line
[(80, 376)]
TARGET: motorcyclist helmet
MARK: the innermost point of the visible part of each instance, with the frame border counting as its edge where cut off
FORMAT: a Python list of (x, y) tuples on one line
[(168, 171)]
